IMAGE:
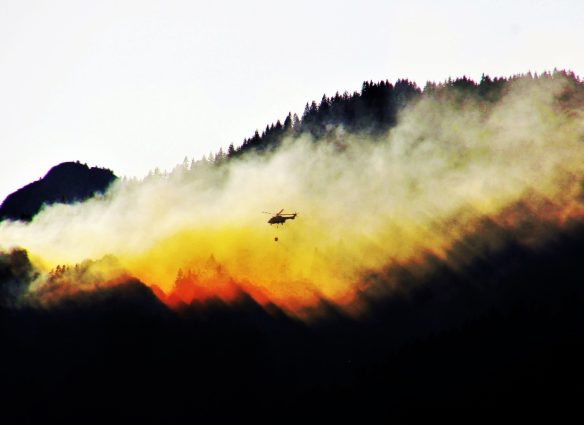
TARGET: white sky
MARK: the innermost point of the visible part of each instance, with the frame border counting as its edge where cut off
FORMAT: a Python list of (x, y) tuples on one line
[(132, 85)]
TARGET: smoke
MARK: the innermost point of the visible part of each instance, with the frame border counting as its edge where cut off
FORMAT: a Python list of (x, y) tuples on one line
[(364, 203)]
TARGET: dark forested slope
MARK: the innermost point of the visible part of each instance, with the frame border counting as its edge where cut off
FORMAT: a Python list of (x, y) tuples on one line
[(66, 183), (376, 107), (503, 334)]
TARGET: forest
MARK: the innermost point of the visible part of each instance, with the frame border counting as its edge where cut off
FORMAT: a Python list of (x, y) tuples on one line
[(433, 273)]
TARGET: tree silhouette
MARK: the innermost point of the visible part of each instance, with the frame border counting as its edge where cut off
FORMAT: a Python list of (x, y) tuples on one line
[(375, 108)]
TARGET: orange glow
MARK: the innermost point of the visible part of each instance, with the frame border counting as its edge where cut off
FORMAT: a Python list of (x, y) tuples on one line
[(181, 277)]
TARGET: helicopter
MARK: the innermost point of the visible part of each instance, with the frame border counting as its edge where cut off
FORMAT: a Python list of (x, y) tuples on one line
[(279, 218)]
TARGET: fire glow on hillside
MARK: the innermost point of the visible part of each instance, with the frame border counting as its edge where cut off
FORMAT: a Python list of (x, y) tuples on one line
[(367, 203)]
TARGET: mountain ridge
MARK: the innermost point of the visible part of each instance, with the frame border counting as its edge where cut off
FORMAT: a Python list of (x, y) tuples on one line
[(67, 182)]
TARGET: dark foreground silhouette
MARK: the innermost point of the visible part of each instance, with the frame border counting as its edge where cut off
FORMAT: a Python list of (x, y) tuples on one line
[(503, 333), (64, 183)]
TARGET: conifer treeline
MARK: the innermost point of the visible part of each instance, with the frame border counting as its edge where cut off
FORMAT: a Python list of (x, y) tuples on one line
[(373, 110)]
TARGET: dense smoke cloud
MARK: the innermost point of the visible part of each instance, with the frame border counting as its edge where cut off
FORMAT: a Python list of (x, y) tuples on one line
[(364, 203)]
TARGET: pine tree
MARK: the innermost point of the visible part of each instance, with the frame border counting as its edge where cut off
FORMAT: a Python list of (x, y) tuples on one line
[(288, 122), (296, 122)]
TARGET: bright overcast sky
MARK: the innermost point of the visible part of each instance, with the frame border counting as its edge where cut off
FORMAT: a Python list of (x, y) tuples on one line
[(132, 85)]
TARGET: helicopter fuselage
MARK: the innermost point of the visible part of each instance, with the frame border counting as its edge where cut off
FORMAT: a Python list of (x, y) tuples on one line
[(280, 219)]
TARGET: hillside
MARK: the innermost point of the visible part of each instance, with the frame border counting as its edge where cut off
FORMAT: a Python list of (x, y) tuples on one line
[(376, 108), (65, 183), (499, 334), (434, 269)]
